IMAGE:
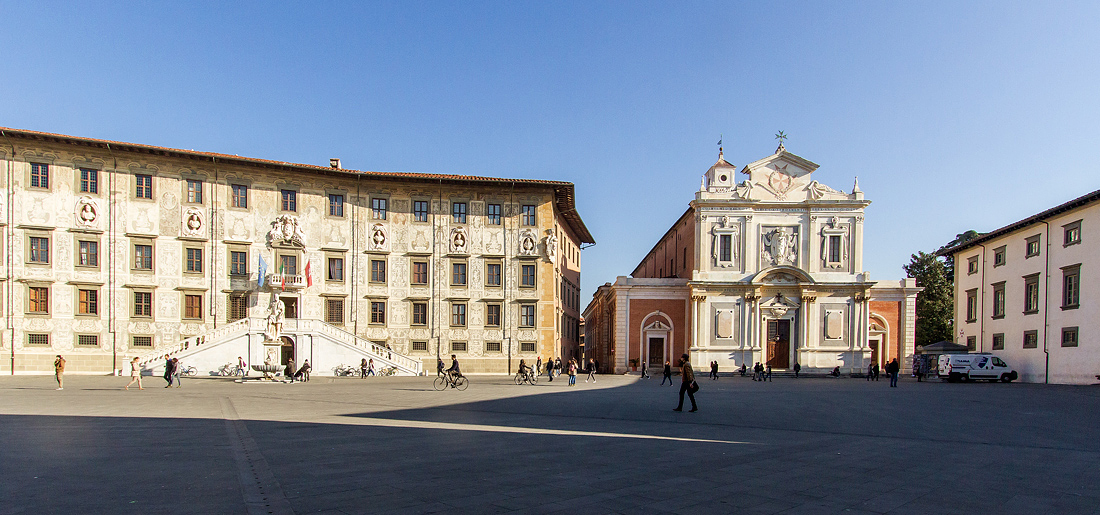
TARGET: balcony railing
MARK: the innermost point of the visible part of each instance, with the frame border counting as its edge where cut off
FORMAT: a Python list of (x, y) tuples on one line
[(285, 281)]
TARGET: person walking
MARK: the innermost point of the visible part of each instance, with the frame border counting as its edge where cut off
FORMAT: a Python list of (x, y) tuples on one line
[(572, 372), (713, 370), (370, 368), (645, 370), (303, 372), (668, 374), (892, 370), (591, 370), (870, 371), (135, 374), (177, 370), (363, 368), (918, 370), (550, 369), (687, 384), (59, 372), (439, 366), (538, 366), (242, 367), (289, 371), (875, 369), (168, 370), (768, 373), (797, 369), (557, 366), (744, 368)]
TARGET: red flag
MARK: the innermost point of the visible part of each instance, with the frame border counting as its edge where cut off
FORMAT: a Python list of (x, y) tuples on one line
[(309, 277)]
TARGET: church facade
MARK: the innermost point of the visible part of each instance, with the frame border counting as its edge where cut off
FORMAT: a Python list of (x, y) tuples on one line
[(117, 250), (765, 269)]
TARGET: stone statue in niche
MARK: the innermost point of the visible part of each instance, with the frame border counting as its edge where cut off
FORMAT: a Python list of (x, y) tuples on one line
[(87, 212), (286, 229), (378, 237), (780, 246), (528, 246), (551, 245), (193, 222), (459, 240)]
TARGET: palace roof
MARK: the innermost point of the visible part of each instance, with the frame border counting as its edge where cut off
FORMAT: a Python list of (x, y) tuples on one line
[(1081, 201), (564, 196)]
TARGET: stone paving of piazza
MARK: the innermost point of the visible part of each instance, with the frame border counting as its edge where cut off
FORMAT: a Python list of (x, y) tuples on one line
[(394, 445)]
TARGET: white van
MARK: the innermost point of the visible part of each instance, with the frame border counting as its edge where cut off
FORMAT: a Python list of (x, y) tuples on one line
[(983, 365)]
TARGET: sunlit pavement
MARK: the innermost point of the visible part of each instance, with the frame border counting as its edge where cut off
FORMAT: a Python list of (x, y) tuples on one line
[(395, 445)]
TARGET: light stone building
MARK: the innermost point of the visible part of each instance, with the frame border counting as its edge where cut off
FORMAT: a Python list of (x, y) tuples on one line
[(1029, 293), (115, 250), (769, 270)]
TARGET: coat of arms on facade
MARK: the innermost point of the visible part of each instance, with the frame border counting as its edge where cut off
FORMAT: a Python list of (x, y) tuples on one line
[(551, 245), (528, 245), (779, 182), (780, 246), (87, 212), (459, 240), (286, 230), (193, 222), (378, 237)]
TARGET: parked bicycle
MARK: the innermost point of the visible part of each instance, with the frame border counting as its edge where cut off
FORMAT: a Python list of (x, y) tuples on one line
[(526, 377), (229, 369), (388, 371), (446, 380), (345, 371), (189, 371)]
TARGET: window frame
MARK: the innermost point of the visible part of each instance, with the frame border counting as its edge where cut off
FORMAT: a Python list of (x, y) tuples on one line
[(36, 255), (1035, 241), (143, 186), (238, 195), (971, 265), (493, 319), (233, 309), (238, 269), (134, 341), (972, 305), (1031, 293), (336, 203), (88, 180), (459, 346), (528, 315), (193, 260), (288, 200), (494, 347), (38, 344), (379, 208), (38, 300), (1000, 256), (334, 269), (419, 306), (137, 266), (459, 211), (998, 341), (87, 302), (458, 314), (456, 275), (135, 304), (490, 275), (377, 271), (1075, 331), (377, 312), (1071, 295), (331, 306), (528, 215), (192, 306), (493, 214), (528, 280), (80, 340), (40, 176), (92, 254), (1071, 233), (414, 273), (421, 216), (998, 299), (192, 191), (1035, 339)]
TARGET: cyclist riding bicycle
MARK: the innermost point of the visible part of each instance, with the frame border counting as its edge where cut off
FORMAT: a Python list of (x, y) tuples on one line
[(454, 372), (524, 370)]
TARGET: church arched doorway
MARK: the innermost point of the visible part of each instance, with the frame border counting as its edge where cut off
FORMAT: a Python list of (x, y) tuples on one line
[(286, 350)]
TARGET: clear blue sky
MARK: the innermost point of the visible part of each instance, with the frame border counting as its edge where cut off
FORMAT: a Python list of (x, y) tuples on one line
[(954, 115)]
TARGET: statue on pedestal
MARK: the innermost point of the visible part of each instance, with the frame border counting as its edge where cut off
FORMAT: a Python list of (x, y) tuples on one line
[(274, 320)]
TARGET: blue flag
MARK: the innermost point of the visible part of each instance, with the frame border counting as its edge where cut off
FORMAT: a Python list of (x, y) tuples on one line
[(263, 272)]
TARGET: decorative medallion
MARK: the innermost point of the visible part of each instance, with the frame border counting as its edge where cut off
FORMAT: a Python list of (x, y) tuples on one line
[(194, 222), (780, 182), (528, 246), (87, 212), (459, 240), (378, 237)]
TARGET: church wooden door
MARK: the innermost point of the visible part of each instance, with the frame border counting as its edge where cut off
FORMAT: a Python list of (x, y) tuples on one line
[(779, 343)]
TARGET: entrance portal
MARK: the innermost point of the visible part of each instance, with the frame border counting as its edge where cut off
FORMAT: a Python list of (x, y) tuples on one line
[(874, 351), (286, 350), (656, 352), (779, 343)]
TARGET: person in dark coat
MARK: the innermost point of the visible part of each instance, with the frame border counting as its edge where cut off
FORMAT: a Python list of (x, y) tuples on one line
[(290, 370), (645, 370), (713, 370), (870, 371), (744, 368), (168, 370), (668, 374), (875, 371), (687, 380), (797, 369), (892, 369)]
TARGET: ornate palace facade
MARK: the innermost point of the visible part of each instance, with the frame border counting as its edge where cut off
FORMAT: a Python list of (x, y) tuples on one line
[(769, 270), (116, 250)]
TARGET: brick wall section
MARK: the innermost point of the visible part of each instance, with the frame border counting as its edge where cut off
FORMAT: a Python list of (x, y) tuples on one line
[(891, 312), (675, 309)]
